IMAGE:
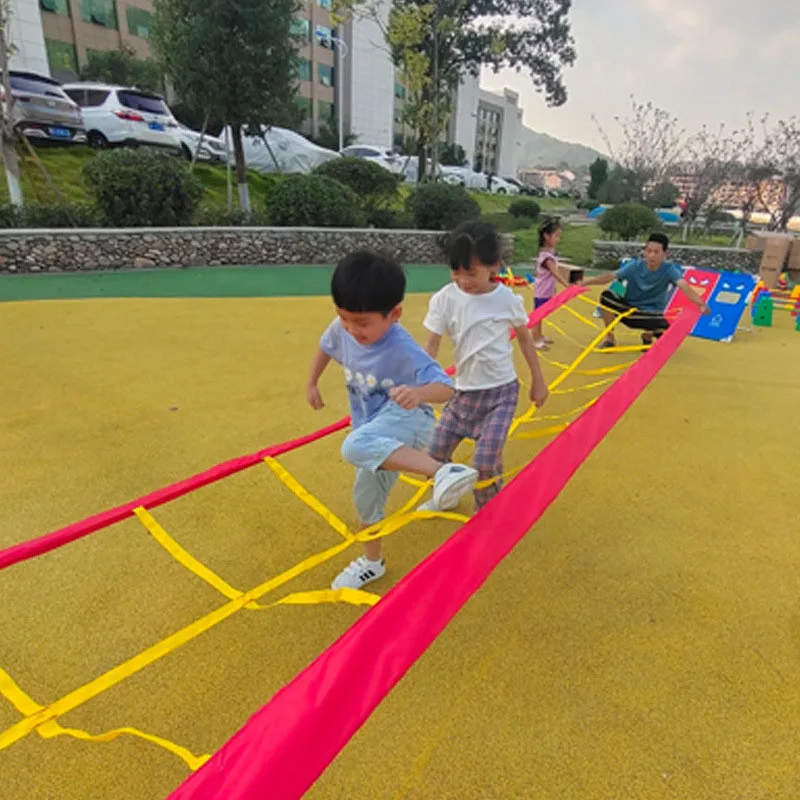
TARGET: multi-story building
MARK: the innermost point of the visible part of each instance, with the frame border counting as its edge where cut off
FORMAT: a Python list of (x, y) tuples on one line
[(488, 127), (56, 36)]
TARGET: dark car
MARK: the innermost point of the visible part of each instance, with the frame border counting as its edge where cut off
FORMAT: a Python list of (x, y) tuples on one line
[(43, 111)]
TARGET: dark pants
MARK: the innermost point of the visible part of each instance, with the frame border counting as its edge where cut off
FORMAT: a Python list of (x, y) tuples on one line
[(651, 321)]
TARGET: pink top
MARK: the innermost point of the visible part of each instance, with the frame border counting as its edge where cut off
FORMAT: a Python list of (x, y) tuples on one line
[(545, 286)]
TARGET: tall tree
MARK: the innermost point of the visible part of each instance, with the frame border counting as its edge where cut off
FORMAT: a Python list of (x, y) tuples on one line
[(650, 141), (707, 165), (435, 43), (598, 175), (782, 151), (123, 68), (237, 60), (8, 135)]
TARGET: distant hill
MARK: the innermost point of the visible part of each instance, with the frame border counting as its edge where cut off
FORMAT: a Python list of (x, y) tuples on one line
[(542, 150)]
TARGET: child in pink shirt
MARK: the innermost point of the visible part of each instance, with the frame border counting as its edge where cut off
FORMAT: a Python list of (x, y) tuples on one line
[(546, 274)]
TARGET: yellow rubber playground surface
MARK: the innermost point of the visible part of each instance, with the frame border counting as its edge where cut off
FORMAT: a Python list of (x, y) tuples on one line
[(643, 641)]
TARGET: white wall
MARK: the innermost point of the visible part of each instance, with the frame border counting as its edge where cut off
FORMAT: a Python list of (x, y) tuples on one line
[(372, 82), (511, 129), (466, 119), (28, 37)]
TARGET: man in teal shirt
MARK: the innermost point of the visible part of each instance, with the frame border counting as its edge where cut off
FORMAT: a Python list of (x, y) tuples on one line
[(648, 281)]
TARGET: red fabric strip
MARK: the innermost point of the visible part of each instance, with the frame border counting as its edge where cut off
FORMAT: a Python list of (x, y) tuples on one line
[(286, 745), (51, 541)]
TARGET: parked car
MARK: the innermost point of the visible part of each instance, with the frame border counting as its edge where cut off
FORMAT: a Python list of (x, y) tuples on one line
[(212, 148), (118, 115), (282, 150), (464, 176), (523, 187), (43, 111), (502, 186), (383, 156)]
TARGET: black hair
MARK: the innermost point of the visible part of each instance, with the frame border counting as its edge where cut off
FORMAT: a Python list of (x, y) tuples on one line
[(659, 238), (470, 240), (549, 226), (367, 282)]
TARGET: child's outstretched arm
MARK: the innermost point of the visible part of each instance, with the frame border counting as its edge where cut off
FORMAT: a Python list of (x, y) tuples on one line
[(539, 390), (318, 364), (552, 265), (432, 344), (692, 294)]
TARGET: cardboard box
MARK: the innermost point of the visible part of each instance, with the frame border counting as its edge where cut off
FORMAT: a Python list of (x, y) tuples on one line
[(755, 241), (773, 261), (570, 273), (794, 255)]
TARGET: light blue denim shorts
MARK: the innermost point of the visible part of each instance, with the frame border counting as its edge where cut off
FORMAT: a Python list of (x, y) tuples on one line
[(369, 445)]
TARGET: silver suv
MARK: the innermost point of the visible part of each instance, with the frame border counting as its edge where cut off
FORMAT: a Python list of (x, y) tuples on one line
[(43, 111)]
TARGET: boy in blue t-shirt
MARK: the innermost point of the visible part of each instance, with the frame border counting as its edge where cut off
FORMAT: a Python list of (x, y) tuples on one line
[(648, 282), (391, 382)]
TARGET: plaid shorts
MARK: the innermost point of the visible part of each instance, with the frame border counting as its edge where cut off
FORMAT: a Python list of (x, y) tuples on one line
[(484, 416)]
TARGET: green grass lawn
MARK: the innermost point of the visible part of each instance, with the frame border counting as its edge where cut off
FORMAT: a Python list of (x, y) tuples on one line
[(65, 165)]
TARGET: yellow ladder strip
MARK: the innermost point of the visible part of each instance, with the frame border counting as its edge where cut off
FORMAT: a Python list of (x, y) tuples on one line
[(49, 729), (584, 387), (302, 494), (185, 558)]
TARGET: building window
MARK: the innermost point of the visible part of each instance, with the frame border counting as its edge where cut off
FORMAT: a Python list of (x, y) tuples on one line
[(55, 6), (325, 74), (398, 117), (99, 12), (400, 91), (62, 59), (304, 104), (301, 28), (304, 70), (138, 22), (325, 4), (326, 111)]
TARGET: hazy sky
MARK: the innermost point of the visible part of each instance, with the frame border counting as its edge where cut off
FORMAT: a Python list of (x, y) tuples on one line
[(705, 61)]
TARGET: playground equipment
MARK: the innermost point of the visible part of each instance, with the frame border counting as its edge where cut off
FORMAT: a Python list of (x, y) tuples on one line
[(783, 299), (726, 294)]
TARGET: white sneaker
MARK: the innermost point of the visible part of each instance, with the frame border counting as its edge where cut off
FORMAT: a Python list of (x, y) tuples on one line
[(450, 484), (359, 573)]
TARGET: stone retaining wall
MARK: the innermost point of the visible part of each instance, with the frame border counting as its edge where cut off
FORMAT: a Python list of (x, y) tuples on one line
[(107, 249), (720, 258)]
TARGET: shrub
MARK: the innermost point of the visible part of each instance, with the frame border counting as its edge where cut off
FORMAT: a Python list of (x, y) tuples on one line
[(374, 186), (142, 188), (587, 204), (313, 201), (387, 219), (524, 207), (441, 206), (40, 215), (506, 223), (628, 220)]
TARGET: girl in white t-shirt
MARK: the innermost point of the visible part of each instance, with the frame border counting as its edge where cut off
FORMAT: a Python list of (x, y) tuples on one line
[(476, 313)]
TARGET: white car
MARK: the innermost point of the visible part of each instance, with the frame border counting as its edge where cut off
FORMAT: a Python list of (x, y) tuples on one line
[(464, 176), (212, 148), (383, 156), (117, 115), (502, 186)]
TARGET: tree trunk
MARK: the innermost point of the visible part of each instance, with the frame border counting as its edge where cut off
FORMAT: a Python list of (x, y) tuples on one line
[(422, 155), (11, 164), (241, 169)]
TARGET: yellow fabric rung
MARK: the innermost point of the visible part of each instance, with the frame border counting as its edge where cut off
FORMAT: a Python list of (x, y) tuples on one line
[(542, 433), (397, 521), (589, 372), (186, 559), (565, 415), (302, 494), (580, 316), (354, 597), (584, 387), (625, 348), (49, 728)]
